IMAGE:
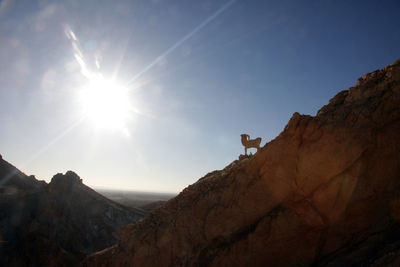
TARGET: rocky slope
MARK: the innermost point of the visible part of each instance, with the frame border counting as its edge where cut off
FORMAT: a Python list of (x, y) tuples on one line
[(325, 192), (54, 224)]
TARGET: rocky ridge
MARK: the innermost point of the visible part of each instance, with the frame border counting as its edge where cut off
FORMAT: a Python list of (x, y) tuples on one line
[(54, 224), (325, 192)]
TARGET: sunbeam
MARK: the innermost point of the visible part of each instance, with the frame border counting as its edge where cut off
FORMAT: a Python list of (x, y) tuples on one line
[(106, 104)]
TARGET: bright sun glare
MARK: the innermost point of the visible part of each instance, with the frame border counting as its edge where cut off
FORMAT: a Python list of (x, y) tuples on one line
[(106, 104)]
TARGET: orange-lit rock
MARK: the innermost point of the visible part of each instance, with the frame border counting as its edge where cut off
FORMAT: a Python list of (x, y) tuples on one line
[(324, 192)]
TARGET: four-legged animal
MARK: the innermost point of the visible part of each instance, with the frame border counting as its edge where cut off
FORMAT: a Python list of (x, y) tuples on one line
[(248, 143)]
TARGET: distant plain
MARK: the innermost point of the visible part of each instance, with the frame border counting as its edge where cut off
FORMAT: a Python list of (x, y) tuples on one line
[(137, 199)]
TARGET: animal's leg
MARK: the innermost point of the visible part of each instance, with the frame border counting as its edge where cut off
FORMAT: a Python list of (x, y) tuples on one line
[(245, 151)]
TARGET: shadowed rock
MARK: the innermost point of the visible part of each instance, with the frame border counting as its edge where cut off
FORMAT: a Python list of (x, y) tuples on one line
[(54, 224)]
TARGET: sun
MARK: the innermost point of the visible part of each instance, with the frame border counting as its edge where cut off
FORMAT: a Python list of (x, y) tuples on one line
[(106, 104)]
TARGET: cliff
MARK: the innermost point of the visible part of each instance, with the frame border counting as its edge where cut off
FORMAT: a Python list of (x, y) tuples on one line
[(325, 192), (54, 224)]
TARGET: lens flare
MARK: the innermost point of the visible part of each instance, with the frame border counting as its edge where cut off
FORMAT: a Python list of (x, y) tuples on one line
[(104, 102)]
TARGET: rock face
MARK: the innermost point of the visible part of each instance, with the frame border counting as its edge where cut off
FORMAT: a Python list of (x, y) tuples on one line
[(325, 192), (54, 224)]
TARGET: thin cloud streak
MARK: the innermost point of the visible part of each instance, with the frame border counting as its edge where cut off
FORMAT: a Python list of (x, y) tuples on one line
[(181, 41)]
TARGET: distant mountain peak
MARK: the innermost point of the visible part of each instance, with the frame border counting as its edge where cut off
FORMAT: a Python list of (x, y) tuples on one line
[(54, 224)]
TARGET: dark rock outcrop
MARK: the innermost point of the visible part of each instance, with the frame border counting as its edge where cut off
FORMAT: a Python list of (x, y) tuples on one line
[(54, 224), (325, 192)]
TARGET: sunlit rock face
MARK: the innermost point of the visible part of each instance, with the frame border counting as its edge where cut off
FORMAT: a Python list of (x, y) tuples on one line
[(54, 224), (325, 192)]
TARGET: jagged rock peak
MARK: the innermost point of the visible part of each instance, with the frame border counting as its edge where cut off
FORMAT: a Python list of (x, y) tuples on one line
[(73, 175), (377, 85), (65, 181), (54, 224), (69, 176)]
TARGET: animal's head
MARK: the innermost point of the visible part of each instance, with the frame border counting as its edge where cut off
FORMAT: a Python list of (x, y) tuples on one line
[(245, 136)]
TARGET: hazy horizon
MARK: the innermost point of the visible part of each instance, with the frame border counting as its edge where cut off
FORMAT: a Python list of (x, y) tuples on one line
[(118, 190), (152, 95)]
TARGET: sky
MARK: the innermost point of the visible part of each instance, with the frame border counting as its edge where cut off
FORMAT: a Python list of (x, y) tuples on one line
[(152, 95)]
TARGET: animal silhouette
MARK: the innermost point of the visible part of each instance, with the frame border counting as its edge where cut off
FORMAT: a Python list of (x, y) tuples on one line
[(249, 143)]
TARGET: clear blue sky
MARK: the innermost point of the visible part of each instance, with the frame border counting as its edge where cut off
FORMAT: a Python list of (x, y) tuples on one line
[(197, 73)]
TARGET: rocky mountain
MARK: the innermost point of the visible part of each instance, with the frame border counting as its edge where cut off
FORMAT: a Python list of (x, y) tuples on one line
[(54, 224), (325, 192)]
